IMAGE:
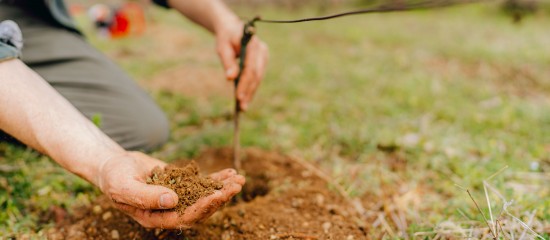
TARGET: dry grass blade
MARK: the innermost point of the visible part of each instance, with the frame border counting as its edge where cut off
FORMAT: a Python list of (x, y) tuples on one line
[(525, 225), (498, 228), (497, 173), (482, 214), (492, 223), (528, 224), (386, 226), (401, 226), (495, 229)]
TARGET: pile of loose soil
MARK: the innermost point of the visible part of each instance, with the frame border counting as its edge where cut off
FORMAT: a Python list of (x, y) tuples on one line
[(186, 182), (281, 200)]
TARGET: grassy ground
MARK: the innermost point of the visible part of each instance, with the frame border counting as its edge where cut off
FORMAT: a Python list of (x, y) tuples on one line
[(399, 108)]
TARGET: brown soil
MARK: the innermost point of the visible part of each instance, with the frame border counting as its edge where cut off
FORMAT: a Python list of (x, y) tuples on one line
[(281, 200), (186, 182)]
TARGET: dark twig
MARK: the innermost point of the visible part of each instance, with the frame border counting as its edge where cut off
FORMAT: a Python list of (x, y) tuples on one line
[(482, 214), (391, 7), (248, 33)]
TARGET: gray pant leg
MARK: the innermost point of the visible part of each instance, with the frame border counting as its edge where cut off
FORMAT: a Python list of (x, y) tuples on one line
[(91, 82)]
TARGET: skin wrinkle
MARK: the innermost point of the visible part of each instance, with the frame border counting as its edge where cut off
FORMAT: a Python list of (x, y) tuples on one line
[(138, 202)]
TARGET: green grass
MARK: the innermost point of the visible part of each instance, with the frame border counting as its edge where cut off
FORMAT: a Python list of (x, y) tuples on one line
[(460, 93)]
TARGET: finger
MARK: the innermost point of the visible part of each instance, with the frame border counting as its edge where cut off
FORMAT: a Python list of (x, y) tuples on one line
[(259, 63), (145, 196), (238, 179), (231, 187), (228, 56), (247, 76), (203, 207), (206, 206), (223, 174), (254, 71), (153, 219)]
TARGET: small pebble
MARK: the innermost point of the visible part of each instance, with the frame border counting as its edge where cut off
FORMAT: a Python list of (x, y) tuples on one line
[(226, 235), (106, 216), (296, 202), (114, 234), (326, 226), (350, 237), (319, 199), (97, 209)]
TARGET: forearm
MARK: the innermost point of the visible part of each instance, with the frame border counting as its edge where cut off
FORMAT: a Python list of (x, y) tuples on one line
[(34, 113), (213, 15)]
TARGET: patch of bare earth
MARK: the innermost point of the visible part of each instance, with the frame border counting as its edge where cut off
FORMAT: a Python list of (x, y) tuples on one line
[(282, 199)]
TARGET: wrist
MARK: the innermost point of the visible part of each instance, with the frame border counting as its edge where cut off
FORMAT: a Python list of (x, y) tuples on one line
[(225, 24)]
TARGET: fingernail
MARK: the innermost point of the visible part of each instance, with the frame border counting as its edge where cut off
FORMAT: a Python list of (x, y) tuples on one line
[(167, 201), (244, 106)]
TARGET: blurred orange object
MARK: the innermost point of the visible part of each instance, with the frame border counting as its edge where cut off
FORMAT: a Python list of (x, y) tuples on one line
[(128, 19)]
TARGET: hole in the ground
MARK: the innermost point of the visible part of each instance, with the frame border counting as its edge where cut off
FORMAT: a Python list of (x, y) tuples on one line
[(256, 185)]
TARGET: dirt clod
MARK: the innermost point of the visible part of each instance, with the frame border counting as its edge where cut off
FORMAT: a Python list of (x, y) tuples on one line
[(186, 182)]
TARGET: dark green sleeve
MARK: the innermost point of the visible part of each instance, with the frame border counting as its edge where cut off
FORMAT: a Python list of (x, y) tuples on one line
[(8, 52)]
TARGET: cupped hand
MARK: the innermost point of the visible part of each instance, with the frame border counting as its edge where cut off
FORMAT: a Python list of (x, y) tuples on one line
[(123, 179), (228, 45)]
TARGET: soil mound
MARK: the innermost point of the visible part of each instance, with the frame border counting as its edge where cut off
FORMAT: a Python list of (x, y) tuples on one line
[(186, 182), (281, 200)]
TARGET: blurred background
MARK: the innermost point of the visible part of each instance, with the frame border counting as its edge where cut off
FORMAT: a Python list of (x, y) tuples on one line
[(399, 108)]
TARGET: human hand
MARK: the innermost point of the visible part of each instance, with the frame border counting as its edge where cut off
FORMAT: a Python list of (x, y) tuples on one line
[(123, 179), (228, 45)]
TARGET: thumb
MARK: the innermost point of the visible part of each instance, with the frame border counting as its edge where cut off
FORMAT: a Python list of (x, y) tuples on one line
[(145, 196), (228, 57)]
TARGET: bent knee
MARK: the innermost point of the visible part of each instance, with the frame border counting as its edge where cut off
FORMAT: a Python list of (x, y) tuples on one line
[(152, 133)]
